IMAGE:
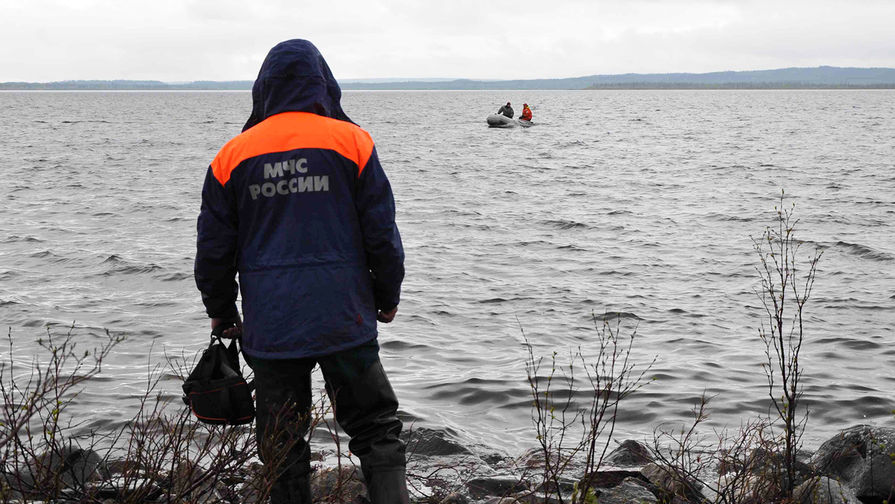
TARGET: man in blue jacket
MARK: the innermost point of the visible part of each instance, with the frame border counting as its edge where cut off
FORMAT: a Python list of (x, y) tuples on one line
[(299, 207)]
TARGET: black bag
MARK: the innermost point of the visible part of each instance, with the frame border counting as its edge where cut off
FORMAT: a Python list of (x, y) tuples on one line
[(215, 390)]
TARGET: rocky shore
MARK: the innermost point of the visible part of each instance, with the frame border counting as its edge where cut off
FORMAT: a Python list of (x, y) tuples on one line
[(855, 466)]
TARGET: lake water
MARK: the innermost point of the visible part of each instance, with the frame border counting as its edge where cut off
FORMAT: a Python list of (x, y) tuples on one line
[(633, 202)]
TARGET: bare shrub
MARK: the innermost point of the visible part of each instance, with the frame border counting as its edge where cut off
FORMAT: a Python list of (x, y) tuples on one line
[(162, 454), (46, 388), (36, 396), (726, 467), (785, 289), (758, 462), (573, 436)]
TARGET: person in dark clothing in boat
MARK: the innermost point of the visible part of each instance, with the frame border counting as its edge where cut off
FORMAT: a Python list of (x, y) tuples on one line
[(300, 208), (506, 110)]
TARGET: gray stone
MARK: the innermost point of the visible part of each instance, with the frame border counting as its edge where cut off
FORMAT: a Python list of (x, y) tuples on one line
[(495, 459), (860, 457), (630, 491), (629, 454), (823, 490), (565, 486), (609, 478), (75, 466), (669, 484), (120, 489), (184, 476), (502, 500), (483, 487), (535, 498), (331, 485), (765, 463), (431, 442), (758, 476), (455, 498), (535, 458), (64, 468)]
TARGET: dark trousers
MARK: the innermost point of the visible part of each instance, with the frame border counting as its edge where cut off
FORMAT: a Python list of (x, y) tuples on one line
[(365, 407)]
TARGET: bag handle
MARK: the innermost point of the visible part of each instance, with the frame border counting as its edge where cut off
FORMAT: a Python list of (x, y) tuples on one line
[(235, 345), (219, 329), (218, 333)]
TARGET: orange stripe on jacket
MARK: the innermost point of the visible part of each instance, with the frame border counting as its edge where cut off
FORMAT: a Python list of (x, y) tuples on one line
[(294, 130)]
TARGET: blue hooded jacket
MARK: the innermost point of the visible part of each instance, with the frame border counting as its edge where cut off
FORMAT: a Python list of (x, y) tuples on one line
[(299, 206)]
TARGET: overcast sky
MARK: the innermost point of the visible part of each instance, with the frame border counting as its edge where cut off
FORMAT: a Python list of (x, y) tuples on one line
[(183, 40)]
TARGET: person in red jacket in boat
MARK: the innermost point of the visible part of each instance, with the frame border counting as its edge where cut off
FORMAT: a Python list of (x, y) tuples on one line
[(526, 113)]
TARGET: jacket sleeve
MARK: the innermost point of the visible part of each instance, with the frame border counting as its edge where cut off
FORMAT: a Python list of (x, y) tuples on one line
[(216, 245), (382, 242)]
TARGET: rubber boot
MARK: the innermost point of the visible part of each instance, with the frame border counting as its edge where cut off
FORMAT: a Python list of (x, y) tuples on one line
[(387, 487)]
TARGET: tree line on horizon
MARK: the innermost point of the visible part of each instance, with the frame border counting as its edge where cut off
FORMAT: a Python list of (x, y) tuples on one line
[(824, 77)]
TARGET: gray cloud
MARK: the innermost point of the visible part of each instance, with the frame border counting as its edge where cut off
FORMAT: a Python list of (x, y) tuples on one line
[(226, 39)]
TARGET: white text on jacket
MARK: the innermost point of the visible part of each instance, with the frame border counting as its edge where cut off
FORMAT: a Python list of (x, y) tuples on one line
[(287, 186)]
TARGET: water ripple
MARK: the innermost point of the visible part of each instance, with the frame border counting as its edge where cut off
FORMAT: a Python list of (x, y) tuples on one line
[(634, 207)]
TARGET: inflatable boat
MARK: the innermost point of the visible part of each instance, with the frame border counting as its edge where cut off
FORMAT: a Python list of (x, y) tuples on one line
[(502, 121)]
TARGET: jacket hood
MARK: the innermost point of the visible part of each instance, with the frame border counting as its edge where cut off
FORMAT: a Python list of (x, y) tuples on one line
[(295, 78)]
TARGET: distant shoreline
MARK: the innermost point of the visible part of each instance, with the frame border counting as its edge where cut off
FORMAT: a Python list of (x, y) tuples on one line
[(644, 87), (824, 77)]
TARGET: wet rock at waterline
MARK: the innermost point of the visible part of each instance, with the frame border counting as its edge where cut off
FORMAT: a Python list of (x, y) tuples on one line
[(823, 490), (629, 453), (432, 442), (628, 491), (861, 457)]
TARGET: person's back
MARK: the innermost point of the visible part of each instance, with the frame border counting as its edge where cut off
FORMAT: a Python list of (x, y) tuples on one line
[(300, 236), (506, 110), (300, 207)]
